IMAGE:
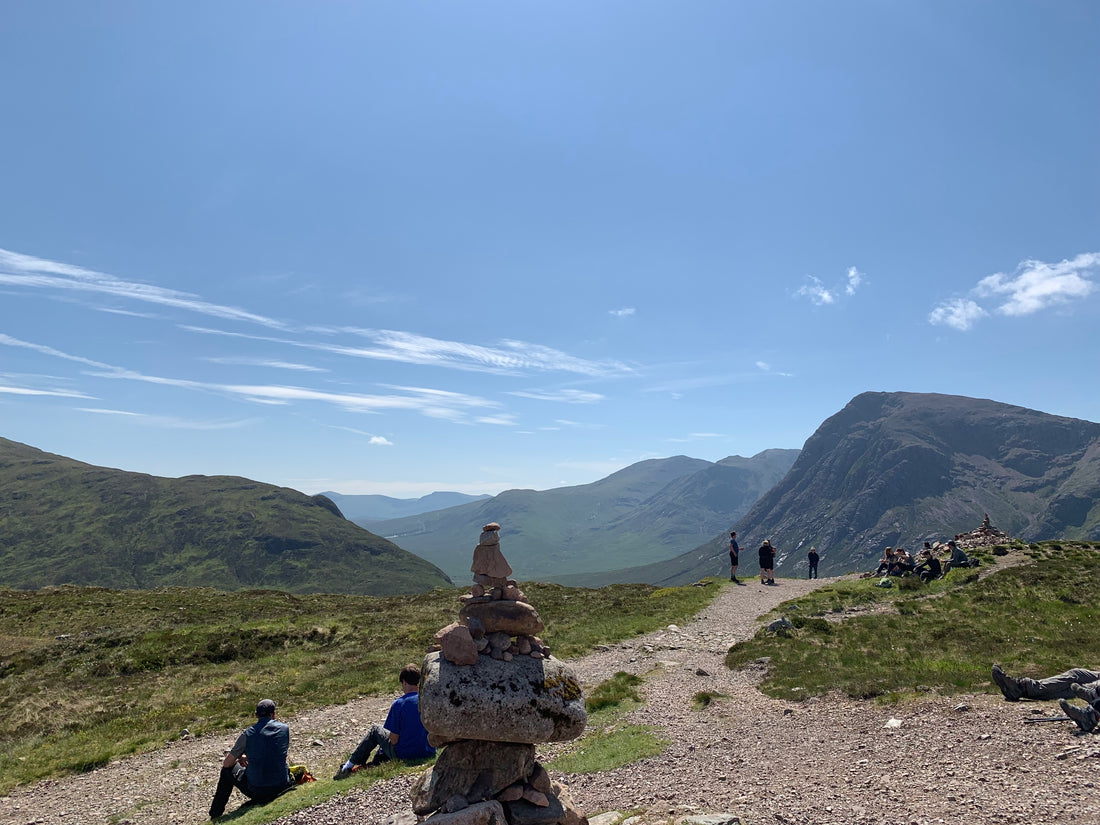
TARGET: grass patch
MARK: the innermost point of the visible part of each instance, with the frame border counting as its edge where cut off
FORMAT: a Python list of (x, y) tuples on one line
[(703, 698), (612, 748), (1037, 618), (614, 692), (88, 675)]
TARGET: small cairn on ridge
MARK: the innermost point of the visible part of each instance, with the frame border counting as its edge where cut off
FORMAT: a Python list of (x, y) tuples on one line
[(490, 692), (985, 536)]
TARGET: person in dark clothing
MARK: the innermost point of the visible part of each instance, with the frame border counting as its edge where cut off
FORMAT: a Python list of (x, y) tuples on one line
[(256, 764), (767, 563), (813, 559), (1077, 682), (929, 567), (734, 552)]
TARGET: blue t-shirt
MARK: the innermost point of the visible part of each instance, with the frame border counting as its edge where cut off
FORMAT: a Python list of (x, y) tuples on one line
[(404, 720)]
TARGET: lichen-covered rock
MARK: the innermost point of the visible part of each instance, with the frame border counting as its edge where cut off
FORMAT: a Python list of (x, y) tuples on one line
[(524, 700)]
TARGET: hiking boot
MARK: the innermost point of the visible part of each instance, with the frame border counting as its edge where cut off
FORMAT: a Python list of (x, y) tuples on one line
[(344, 773), (1009, 687), (1086, 718), (1084, 692)]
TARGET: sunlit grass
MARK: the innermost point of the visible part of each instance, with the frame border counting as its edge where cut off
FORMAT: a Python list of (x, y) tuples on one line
[(1037, 618), (89, 675)]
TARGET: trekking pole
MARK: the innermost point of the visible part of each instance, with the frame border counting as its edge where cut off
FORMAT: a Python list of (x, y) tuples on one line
[(1034, 719)]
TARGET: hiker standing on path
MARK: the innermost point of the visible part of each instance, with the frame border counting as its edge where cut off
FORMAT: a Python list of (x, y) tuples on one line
[(813, 558), (767, 563), (734, 551), (256, 764)]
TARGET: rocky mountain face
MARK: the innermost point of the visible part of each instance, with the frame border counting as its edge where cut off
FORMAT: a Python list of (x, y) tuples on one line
[(66, 522), (643, 513), (904, 468)]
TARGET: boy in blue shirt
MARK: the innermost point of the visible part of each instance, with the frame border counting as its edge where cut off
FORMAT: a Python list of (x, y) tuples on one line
[(401, 737)]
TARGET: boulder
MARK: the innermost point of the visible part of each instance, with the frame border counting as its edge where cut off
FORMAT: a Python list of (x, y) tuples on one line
[(475, 770), (456, 644), (511, 617), (525, 700), (483, 813)]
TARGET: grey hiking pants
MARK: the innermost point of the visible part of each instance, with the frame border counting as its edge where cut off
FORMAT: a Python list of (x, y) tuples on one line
[(1057, 687)]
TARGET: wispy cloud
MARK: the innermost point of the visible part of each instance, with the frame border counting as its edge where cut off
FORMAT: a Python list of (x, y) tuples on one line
[(8, 341), (821, 295), (504, 420), (171, 422), (960, 313), (509, 358), (621, 313), (855, 278), (690, 437), (577, 425), (17, 269), (9, 390), (374, 440), (1033, 287), (565, 396), (263, 362), (815, 291)]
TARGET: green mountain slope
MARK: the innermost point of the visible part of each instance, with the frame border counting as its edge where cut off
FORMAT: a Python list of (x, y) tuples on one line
[(66, 522), (904, 468), (648, 511)]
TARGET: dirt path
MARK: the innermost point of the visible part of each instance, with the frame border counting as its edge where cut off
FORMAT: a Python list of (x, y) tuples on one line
[(968, 759)]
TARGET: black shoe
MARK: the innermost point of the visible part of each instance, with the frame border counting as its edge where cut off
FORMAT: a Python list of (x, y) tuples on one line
[(1086, 718), (1009, 687), (344, 773)]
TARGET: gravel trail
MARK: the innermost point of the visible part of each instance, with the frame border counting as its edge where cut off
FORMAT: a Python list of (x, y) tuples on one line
[(963, 759)]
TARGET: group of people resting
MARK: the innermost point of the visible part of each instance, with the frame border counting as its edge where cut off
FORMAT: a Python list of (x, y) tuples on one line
[(926, 564), (257, 764)]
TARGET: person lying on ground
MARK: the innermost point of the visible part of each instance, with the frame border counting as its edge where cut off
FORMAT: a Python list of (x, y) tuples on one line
[(256, 764), (1076, 682), (401, 737)]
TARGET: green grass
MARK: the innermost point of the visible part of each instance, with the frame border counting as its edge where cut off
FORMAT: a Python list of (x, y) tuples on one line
[(610, 742), (1036, 619), (88, 675)]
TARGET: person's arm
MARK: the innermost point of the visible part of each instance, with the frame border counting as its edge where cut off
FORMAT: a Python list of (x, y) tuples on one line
[(236, 753)]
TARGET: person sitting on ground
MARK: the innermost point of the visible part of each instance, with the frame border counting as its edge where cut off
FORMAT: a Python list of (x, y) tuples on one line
[(256, 764), (902, 564), (884, 563), (401, 737), (929, 567), (958, 557)]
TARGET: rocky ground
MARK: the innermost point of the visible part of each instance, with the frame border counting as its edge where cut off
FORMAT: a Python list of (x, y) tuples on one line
[(963, 759)]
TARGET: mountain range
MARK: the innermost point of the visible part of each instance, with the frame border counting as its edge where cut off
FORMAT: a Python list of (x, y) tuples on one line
[(365, 509), (903, 468), (642, 513), (66, 522), (890, 468)]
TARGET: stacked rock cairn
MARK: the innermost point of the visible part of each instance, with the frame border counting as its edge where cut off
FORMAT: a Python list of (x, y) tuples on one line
[(490, 692)]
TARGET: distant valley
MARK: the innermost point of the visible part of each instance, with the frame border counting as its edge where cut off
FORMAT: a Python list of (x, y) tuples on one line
[(643, 513)]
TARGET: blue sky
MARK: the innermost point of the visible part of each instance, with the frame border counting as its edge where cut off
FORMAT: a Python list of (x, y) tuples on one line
[(404, 247)]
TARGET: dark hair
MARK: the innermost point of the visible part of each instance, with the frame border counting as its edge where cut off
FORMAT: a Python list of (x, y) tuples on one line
[(410, 674)]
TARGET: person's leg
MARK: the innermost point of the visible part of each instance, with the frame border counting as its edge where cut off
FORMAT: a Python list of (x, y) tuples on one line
[(378, 737), (1059, 686), (228, 779)]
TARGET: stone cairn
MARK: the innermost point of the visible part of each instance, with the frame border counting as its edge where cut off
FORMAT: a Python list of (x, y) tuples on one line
[(490, 692)]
